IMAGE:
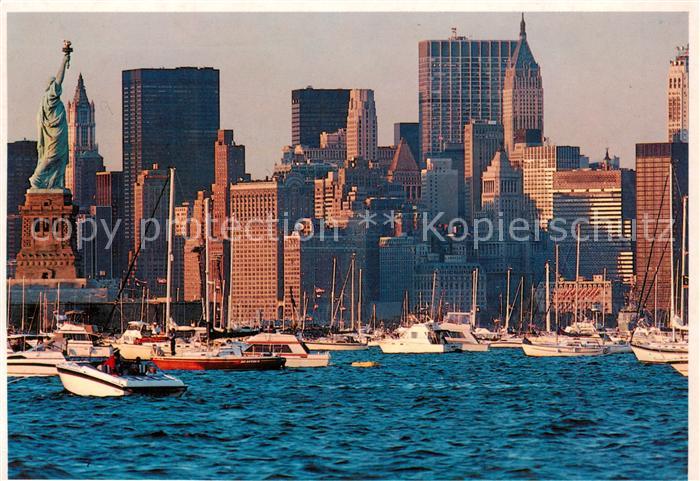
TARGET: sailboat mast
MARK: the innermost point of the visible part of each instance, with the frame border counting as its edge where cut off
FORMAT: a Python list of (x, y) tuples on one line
[(556, 286), (475, 287), (23, 315), (548, 325), (672, 310), (432, 297), (352, 293), (359, 303), (169, 269), (578, 244), (332, 310), (683, 252), (230, 276), (507, 323), (206, 262), (522, 282)]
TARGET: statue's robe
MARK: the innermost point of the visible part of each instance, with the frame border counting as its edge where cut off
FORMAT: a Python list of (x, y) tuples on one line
[(52, 144)]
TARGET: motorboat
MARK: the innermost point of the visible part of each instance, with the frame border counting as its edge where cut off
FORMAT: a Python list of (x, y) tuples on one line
[(571, 347), (461, 333), (507, 341), (287, 346), (225, 357), (139, 341), (39, 361), (88, 380), (80, 343), (421, 338), (336, 342)]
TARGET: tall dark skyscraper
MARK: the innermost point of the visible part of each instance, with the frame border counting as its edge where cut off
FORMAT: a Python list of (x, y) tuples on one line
[(315, 111), (662, 177), (21, 162), (459, 80), (170, 117)]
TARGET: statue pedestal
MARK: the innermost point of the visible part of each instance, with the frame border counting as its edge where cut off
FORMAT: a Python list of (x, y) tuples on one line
[(48, 236)]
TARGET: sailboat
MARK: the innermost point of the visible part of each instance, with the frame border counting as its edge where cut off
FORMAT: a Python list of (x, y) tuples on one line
[(460, 325), (342, 341), (653, 346), (566, 346)]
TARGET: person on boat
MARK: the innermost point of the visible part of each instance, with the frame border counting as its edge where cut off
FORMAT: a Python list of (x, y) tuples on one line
[(172, 342), (110, 365)]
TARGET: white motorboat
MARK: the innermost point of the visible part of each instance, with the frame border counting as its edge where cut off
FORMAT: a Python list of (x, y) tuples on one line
[(564, 347), (40, 361), (139, 340), (336, 342), (287, 346), (87, 380), (79, 344), (422, 338), (507, 341), (460, 333)]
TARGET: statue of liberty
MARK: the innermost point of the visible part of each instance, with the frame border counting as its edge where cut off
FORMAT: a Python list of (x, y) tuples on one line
[(52, 142)]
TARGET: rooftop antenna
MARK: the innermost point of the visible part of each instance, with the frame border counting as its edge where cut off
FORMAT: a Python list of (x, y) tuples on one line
[(454, 32)]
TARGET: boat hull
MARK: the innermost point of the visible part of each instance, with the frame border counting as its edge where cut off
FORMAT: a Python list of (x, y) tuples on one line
[(681, 367), (399, 347), (561, 350), (132, 352), (469, 346), (657, 355), (506, 344), (313, 360), (19, 365), (242, 363), (88, 381), (335, 346)]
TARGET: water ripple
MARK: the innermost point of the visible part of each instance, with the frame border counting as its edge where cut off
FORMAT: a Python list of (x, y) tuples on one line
[(495, 415)]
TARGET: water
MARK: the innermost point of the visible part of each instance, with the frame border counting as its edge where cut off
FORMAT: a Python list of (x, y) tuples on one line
[(495, 415)]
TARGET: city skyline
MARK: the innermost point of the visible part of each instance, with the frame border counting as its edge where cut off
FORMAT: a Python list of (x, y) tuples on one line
[(585, 104)]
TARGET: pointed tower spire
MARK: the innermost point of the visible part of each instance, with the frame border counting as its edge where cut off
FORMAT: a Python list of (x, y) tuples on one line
[(523, 35)]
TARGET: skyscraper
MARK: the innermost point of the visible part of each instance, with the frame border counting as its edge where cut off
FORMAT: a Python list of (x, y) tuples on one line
[(229, 168), (459, 79), (109, 203), (440, 191), (404, 172), (169, 117), (257, 275), (84, 162), (522, 94), (21, 162), (150, 222), (482, 140), (362, 125), (315, 111), (678, 87), (662, 179)]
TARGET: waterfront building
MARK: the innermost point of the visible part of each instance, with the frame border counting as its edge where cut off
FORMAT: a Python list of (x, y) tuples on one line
[(538, 163), (662, 181), (397, 257), (523, 109), (678, 90), (440, 190), (410, 132), (170, 116), (315, 111), (481, 141), (459, 79), (602, 202), (362, 125)]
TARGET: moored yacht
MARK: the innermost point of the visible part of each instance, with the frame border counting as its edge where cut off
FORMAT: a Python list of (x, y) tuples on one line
[(422, 338), (226, 357), (571, 347), (336, 342), (39, 361), (288, 346), (459, 331)]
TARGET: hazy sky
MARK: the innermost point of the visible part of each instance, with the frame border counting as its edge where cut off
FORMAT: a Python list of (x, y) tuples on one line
[(604, 75)]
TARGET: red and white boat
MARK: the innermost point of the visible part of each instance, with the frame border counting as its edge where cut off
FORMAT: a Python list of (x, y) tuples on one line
[(228, 357), (287, 346)]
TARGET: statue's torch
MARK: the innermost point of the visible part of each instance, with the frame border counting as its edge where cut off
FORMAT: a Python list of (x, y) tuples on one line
[(67, 49)]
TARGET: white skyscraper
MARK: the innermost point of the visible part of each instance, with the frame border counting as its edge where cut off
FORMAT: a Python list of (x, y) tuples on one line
[(362, 125), (678, 87)]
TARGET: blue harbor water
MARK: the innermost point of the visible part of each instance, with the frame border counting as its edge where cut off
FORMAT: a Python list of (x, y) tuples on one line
[(495, 415)]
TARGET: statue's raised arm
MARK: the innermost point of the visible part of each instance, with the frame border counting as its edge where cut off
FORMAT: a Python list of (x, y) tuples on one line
[(52, 139)]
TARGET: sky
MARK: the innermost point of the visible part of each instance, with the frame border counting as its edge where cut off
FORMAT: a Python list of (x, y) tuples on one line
[(604, 74)]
